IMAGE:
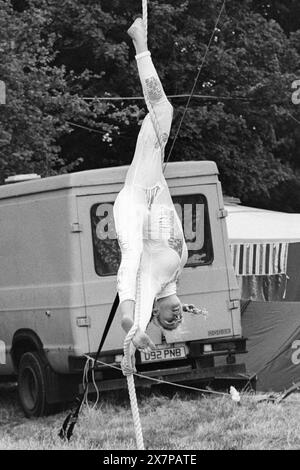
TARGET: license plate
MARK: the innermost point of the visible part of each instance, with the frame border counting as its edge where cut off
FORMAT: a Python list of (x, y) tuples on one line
[(165, 354)]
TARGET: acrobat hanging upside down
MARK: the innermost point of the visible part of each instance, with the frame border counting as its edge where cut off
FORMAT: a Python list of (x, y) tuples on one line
[(149, 230)]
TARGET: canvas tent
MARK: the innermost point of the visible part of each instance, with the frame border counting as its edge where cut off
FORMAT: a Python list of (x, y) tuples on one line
[(273, 332), (265, 247)]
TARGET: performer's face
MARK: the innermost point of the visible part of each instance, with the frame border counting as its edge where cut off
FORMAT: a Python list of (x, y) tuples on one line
[(169, 312)]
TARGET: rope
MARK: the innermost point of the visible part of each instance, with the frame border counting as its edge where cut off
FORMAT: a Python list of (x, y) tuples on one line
[(128, 368), (90, 129), (161, 381), (128, 359), (145, 15), (89, 365), (281, 395), (133, 98), (127, 363), (135, 413)]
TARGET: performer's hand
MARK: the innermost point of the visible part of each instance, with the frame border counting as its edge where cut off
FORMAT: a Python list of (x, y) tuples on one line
[(142, 342)]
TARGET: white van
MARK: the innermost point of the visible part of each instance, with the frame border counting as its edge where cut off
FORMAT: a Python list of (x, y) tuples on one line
[(59, 258)]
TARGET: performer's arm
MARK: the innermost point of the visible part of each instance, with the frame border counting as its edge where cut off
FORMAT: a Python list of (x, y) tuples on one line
[(129, 226), (128, 217)]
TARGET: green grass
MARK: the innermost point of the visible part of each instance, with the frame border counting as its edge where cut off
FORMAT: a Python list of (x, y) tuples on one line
[(182, 421)]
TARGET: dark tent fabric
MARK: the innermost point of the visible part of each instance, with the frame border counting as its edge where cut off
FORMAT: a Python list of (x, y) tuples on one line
[(293, 273), (265, 288), (273, 332)]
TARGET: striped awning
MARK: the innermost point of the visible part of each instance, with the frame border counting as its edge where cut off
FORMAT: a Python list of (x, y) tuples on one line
[(259, 258)]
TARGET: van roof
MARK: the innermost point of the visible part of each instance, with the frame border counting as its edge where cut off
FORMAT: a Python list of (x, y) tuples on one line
[(102, 176)]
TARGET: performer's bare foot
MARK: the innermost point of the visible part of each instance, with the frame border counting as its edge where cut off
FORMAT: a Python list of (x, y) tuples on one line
[(138, 35)]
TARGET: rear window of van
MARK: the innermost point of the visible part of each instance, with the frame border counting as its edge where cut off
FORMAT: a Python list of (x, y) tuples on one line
[(193, 213)]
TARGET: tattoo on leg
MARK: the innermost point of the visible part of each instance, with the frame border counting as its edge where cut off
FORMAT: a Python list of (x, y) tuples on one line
[(154, 89)]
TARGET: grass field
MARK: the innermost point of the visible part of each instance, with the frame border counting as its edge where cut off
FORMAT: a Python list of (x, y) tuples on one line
[(181, 421)]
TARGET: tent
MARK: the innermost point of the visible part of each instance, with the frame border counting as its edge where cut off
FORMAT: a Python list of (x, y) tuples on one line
[(265, 247), (273, 332)]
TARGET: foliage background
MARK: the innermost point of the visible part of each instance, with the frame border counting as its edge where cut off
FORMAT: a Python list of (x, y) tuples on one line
[(54, 54)]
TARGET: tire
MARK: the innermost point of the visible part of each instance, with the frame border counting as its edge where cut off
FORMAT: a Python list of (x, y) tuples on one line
[(32, 384)]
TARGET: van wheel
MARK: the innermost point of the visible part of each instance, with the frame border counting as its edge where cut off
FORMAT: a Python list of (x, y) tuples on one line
[(32, 384)]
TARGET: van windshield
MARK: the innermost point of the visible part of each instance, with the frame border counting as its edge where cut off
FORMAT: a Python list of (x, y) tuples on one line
[(192, 211)]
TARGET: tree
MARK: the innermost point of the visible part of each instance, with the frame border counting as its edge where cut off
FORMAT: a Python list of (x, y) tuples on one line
[(247, 122), (284, 12), (39, 103)]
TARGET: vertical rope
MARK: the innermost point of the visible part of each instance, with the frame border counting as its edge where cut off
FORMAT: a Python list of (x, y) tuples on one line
[(128, 362), (145, 16), (135, 413), (128, 350)]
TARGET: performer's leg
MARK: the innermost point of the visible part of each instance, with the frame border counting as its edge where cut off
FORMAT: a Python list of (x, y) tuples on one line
[(146, 167), (152, 87)]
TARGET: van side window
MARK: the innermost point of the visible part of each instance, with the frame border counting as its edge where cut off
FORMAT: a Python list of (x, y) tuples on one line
[(192, 211)]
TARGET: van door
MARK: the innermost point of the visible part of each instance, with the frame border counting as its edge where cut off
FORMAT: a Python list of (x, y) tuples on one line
[(205, 281)]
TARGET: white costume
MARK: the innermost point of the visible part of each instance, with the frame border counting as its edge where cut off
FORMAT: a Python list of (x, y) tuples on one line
[(148, 228)]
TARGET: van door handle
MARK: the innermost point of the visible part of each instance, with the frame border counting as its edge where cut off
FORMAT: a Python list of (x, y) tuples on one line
[(76, 227)]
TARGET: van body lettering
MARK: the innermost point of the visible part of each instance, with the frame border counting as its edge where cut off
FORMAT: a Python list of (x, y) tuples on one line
[(106, 227), (225, 331), (296, 354)]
